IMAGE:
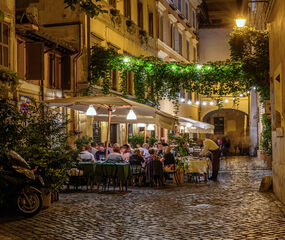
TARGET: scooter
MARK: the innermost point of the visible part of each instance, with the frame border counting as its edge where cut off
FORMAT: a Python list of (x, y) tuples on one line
[(19, 185)]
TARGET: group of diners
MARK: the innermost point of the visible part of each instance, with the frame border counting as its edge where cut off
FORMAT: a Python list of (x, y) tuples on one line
[(145, 160)]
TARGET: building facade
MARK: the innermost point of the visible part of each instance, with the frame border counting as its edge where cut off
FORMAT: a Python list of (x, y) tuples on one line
[(51, 51)]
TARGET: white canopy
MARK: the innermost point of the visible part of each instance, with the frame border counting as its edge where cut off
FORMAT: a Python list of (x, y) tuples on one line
[(120, 107), (196, 126)]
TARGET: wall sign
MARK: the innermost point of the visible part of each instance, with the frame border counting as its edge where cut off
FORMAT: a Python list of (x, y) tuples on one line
[(24, 99), (24, 108)]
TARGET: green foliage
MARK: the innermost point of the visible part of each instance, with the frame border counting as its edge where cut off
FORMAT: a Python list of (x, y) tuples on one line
[(181, 140), (266, 136), (152, 140), (155, 80), (9, 78), (38, 137), (83, 141), (91, 8), (136, 139), (251, 47)]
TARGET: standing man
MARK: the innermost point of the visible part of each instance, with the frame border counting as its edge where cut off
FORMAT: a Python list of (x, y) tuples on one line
[(210, 146)]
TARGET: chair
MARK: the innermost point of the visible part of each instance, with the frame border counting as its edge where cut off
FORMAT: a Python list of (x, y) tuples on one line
[(154, 173), (174, 174)]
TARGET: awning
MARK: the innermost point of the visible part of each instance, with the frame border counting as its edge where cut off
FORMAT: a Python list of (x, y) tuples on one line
[(120, 106), (196, 126)]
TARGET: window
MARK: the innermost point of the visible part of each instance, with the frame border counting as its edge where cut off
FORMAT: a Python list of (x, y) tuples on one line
[(172, 35), (54, 71), (161, 27), (176, 40), (219, 125), (193, 19), (150, 23), (194, 54), (164, 28), (21, 58), (187, 50), (114, 80), (113, 3), (253, 5), (140, 14), (187, 10), (129, 83), (4, 44), (180, 5), (127, 8), (180, 43), (190, 96)]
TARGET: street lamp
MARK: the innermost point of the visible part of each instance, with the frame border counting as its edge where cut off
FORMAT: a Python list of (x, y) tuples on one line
[(240, 22)]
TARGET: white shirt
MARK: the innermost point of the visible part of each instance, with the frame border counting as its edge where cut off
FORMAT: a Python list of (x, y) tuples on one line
[(85, 155), (209, 145), (93, 150)]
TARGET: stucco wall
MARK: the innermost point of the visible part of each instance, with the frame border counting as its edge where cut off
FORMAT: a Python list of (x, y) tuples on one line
[(277, 56), (214, 44)]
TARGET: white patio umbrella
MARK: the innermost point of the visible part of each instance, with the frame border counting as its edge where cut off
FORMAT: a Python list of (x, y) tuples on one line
[(116, 109), (196, 126)]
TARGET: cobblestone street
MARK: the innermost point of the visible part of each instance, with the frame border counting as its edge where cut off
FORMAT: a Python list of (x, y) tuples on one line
[(229, 209)]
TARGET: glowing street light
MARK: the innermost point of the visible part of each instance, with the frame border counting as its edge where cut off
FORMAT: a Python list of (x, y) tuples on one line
[(240, 22)]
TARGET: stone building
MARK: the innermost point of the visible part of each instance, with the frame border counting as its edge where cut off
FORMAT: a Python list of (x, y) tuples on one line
[(51, 51), (272, 17)]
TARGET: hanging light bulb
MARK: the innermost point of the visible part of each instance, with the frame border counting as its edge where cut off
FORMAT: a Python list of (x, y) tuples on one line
[(188, 125), (189, 102), (226, 100), (199, 66), (234, 98), (254, 88), (91, 111), (182, 100), (150, 127), (197, 103), (211, 103), (204, 103), (131, 115), (126, 60), (248, 92), (241, 95)]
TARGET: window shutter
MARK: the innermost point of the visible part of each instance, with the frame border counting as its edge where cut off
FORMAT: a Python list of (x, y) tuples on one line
[(65, 73), (34, 57)]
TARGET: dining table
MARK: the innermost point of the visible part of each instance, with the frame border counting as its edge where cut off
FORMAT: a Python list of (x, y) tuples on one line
[(103, 172)]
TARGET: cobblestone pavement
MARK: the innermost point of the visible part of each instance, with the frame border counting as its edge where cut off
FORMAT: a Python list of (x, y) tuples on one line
[(229, 209)]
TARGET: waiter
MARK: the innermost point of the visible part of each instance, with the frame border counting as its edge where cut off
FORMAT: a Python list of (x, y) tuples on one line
[(210, 146)]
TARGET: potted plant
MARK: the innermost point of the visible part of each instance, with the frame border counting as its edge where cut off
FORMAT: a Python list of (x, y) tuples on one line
[(136, 139), (266, 140)]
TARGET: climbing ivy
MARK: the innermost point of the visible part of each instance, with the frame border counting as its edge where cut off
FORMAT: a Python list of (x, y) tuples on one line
[(251, 48), (155, 80), (9, 78), (92, 8)]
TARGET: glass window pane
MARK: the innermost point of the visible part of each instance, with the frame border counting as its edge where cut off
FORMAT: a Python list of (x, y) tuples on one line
[(5, 34), (5, 56)]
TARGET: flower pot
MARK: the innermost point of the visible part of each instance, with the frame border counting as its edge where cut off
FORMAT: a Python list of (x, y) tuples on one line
[(46, 195)]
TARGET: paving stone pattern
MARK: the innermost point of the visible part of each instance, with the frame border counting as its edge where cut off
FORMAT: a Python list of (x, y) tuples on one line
[(229, 209)]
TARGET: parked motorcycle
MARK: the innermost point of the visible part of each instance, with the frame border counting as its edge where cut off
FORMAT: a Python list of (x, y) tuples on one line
[(19, 185)]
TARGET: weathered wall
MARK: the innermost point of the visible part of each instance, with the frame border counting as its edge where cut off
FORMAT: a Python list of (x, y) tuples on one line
[(277, 56), (214, 44)]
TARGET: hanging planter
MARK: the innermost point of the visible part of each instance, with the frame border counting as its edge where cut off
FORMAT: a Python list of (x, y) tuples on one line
[(115, 16), (131, 26)]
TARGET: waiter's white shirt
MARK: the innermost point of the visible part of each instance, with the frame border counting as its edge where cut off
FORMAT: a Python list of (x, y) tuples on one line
[(209, 145), (85, 155)]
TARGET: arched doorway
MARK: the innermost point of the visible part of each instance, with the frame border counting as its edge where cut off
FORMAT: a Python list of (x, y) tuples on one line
[(232, 126)]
